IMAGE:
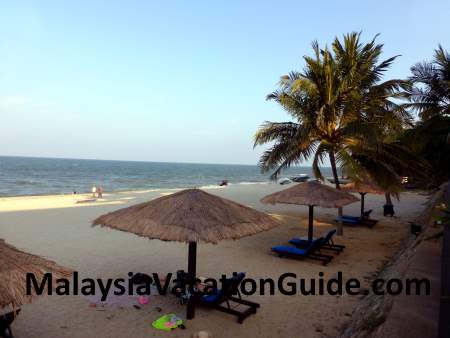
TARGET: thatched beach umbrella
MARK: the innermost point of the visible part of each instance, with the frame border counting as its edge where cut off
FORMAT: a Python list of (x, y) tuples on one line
[(311, 194), (14, 266), (364, 188), (189, 216)]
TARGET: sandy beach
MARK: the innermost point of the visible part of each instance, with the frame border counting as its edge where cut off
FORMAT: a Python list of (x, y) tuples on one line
[(59, 228)]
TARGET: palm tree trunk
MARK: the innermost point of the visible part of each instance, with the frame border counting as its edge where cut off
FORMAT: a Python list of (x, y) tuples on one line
[(388, 198), (340, 228), (388, 208)]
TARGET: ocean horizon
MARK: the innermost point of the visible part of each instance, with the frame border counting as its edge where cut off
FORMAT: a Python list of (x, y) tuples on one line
[(27, 176)]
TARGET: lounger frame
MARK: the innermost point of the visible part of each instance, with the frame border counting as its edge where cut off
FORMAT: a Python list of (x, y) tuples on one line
[(241, 315), (325, 259), (229, 295), (328, 245)]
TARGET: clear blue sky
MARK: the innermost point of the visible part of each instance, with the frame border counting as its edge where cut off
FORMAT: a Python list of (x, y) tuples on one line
[(181, 81)]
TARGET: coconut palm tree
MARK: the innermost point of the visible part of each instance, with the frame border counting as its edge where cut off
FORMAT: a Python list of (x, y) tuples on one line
[(430, 140), (338, 106), (430, 95)]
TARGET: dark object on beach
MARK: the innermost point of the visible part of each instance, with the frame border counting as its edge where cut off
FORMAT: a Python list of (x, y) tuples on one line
[(230, 288), (141, 278), (137, 307), (366, 214), (388, 210), (416, 229), (223, 183), (5, 323)]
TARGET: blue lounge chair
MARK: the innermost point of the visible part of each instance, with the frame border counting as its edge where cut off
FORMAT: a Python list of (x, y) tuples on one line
[(346, 220), (358, 221), (355, 220), (365, 215), (230, 289), (311, 251), (328, 242)]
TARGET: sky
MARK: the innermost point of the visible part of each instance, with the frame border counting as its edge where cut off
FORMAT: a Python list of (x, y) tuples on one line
[(176, 81)]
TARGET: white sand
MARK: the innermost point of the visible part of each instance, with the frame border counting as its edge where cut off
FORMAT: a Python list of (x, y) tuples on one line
[(60, 229)]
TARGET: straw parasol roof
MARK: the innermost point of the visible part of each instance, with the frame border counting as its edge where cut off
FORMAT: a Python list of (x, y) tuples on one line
[(365, 188), (190, 215), (311, 193), (14, 265)]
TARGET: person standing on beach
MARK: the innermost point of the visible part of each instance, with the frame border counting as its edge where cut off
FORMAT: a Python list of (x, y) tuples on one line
[(94, 190), (100, 192)]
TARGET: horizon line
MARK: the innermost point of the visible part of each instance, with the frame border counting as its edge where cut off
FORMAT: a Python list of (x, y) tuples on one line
[(139, 161)]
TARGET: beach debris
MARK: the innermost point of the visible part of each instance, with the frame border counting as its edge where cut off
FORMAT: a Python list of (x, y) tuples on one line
[(127, 299), (158, 309), (168, 322), (137, 307), (143, 300)]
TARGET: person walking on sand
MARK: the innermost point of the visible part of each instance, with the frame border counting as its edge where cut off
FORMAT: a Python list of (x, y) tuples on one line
[(94, 190)]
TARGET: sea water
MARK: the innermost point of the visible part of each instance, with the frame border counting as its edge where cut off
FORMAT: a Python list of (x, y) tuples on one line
[(21, 176)]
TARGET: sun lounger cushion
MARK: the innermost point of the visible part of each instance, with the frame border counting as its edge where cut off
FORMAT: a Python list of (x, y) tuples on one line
[(284, 249), (348, 220), (351, 217), (303, 241), (230, 285), (211, 298)]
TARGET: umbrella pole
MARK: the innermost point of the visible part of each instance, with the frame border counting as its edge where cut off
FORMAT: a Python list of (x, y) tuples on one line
[(310, 223), (362, 203), (192, 263)]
